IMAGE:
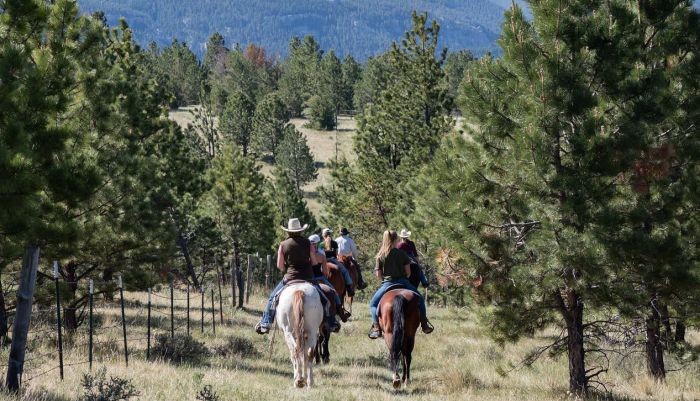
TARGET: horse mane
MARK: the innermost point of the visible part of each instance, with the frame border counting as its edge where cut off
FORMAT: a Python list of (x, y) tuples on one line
[(398, 305), (298, 313)]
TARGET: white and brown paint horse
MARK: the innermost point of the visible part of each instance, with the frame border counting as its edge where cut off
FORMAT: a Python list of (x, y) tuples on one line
[(299, 314)]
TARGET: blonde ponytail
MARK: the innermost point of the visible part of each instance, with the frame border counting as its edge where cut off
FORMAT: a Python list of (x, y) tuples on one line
[(388, 242)]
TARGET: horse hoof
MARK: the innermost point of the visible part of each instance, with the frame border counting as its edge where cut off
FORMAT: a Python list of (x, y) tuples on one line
[(326, 360), (300, 383), (397, 384)]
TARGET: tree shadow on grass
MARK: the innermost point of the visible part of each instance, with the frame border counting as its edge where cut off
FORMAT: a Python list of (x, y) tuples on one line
[(609, 396), (369, 360), (37, 394)]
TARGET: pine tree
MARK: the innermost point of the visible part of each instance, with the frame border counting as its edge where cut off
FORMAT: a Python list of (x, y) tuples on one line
[(541, 208), (270, 118), (352, 72), (289, 203), (300, 68), (239, 204), (399, 132), (177, 68), (294, 157), (456, 65), (372, 82), (236, 122), (328, 93)]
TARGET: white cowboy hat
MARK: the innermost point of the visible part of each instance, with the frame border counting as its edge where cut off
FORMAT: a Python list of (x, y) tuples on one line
[(326, 231), (314, 239), (404, 233), (294, 226)]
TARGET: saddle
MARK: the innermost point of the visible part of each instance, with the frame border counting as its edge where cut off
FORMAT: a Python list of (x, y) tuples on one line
[(299, 281), (395, 287)]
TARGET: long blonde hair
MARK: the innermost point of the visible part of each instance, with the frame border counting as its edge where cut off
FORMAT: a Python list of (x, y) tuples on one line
[(388, 242)]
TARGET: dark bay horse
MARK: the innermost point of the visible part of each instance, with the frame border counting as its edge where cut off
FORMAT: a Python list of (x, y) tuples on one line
[(399, 319), (324, 335), (352, 267)]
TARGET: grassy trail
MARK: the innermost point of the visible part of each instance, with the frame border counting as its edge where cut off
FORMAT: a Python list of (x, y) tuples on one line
[(457, 362)]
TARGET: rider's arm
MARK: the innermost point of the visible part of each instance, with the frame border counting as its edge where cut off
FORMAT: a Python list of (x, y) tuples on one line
[(280, 259), (378, 270), (354, 250), (407, 269)]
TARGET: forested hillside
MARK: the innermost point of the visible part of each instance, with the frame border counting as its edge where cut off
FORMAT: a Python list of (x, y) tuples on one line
[(358, 27)]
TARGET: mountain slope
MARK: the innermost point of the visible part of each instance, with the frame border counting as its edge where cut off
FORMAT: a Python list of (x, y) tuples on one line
[(358, 27)]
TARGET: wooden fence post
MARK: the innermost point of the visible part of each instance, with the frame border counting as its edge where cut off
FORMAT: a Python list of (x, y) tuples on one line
[(121, 299), (148, 328), (23, 314), (58, 319), (248, 279), (221, 301), (91, 290)]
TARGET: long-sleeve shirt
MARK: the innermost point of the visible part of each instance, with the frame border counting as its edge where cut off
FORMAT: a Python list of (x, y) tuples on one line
[(346, 246)]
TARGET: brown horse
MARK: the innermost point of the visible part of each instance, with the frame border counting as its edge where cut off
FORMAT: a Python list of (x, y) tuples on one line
[(399, 318)]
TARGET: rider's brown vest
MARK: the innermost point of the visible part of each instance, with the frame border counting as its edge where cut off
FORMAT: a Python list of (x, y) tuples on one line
[(297, 258)]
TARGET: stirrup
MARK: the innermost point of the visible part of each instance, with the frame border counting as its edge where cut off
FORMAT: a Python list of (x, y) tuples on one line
[(375, 332)]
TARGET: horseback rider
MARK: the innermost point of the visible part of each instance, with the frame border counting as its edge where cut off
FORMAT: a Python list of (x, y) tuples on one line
[(320, 276), (330, 247), (348, 249), (408, 246), (394, 267), (297, 255)]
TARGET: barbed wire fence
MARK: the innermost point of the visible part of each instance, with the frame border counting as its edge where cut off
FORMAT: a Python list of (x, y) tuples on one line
[(114, 328)]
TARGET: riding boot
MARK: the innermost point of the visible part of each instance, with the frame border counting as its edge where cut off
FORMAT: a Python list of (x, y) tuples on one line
[(343, 313), (375, 331), (426, 326), (333, 325), (261, 328)]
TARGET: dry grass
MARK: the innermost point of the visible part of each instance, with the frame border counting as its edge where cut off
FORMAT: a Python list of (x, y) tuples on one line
[(457, 362)]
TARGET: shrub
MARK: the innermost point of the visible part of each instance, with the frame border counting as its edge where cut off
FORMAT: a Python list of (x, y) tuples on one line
[(181, 349), (99, 388), (237, 346), (207, 394)]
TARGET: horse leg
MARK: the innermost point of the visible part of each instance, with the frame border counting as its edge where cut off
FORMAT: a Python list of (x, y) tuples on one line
[(408, 350), (317, 357)]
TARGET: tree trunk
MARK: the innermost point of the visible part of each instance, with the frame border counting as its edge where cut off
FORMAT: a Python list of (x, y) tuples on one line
[(571, 308), (70, 317), (654, 345), (3, 316), (680, 332), (667, 333), (239, 272), (182, 243)]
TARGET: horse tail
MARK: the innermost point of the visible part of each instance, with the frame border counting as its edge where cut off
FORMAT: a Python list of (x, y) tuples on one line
[(398, 306), (298, 312)]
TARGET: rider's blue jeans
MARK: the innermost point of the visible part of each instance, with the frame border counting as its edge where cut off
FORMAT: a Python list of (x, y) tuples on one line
[(269, 314), (343, 270), (374, 303), (328, 283)]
